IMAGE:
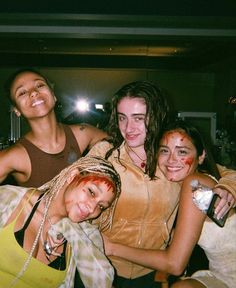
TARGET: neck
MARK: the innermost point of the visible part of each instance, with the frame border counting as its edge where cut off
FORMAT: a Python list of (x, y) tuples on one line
[(138, 155)]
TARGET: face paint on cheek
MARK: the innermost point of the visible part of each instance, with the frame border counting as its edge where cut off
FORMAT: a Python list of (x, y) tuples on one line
[(189, 161)]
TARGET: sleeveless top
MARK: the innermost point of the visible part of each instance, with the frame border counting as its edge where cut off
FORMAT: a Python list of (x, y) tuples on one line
[(60, 262), (44, 166), (37, 273), (220, 248)]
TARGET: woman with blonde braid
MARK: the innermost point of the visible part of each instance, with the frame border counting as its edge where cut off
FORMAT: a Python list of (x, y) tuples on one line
[(44, 234)]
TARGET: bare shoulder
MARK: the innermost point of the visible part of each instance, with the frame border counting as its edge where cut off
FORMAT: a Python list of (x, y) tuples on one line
[(14, 159), (87, 135), (201, 177)]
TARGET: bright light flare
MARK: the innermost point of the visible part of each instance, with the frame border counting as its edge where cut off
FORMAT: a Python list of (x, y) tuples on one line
[(82, 105)]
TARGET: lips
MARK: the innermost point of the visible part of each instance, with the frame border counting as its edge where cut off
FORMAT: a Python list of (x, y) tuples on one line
[(173, 168), (131, 137), (37, 102)]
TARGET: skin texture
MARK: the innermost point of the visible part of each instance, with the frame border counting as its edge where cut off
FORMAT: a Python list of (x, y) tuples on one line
[(35, 101), (178, 160)]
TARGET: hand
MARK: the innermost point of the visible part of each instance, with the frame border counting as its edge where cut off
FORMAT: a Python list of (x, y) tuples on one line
[(226, 202)]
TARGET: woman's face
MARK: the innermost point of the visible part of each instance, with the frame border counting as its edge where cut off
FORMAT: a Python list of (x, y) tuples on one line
[(87, 197), (31, 95), (177, 156), (131, 120)]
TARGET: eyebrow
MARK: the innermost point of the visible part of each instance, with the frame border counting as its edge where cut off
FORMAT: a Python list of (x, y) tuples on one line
[(178, 147), (134, 114), (37, 79)]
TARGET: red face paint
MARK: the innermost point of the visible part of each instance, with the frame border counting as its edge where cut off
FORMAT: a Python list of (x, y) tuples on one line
[(94, 178), (177, 155)]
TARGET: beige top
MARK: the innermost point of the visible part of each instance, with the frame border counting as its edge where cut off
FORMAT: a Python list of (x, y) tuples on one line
[(146, 209)]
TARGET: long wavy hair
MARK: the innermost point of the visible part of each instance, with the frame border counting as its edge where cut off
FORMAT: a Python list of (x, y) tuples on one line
[(156, 116)]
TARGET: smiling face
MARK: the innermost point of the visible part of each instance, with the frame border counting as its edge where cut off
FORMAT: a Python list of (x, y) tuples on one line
[(131, 120), (177, 156), (32, 95), (87, 196)]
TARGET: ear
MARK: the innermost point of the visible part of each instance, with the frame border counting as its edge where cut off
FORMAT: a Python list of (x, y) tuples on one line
[(54, 96), (72, 175), (16, 111), (202, 157)]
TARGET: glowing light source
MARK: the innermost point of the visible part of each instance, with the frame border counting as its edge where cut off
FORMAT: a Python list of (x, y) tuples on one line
[(82, 105)]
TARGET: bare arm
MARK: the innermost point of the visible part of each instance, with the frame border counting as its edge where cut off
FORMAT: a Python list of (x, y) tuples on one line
[(87, 135), (188, 229), (15, 160)]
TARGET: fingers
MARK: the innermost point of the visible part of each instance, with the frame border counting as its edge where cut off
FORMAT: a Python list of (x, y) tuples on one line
[(226, 202)]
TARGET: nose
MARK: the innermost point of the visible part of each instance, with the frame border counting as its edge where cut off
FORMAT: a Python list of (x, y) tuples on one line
[(172, 158), (92, 206), (130, 126), (33, 92)]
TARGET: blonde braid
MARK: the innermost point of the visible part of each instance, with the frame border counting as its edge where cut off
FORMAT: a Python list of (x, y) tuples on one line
[(87, 164)]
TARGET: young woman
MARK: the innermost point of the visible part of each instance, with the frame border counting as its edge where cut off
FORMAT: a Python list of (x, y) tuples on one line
[(49, 146), (147, 207), (44, 233), (182, 158)]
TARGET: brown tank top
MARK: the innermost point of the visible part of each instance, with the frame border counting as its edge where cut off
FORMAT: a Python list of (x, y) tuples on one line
[(45, 166)]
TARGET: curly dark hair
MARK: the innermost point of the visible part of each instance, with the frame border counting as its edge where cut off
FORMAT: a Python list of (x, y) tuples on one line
[(156, 115)]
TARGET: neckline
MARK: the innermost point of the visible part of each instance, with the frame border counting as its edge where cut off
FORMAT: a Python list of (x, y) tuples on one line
[(143, 162)]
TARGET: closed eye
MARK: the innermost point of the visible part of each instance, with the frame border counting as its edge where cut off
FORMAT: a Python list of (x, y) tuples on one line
[(41, 85), (22, 93)]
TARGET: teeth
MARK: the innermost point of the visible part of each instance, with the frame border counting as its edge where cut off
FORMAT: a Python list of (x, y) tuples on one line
[(37, 103), (173, 168)]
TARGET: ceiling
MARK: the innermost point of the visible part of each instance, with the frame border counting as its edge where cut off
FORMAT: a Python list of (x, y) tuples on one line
[(135, 38)]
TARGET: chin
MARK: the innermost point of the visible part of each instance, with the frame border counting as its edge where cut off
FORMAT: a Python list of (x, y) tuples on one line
[(173, 178)]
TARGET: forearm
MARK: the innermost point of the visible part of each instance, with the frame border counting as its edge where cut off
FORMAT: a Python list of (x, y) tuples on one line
[(160, 260)]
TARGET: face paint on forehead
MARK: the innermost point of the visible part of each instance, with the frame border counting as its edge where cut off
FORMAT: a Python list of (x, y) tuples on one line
[(97, 179), (171, 135)]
